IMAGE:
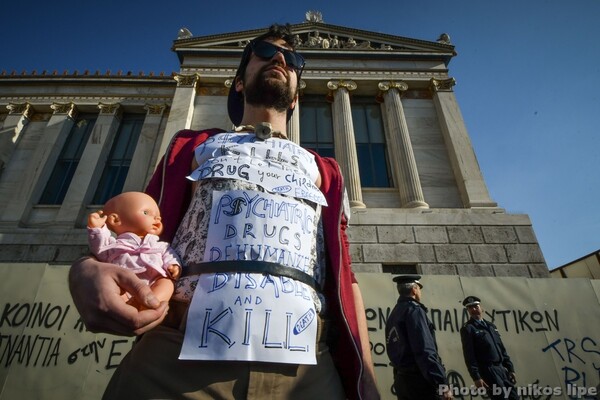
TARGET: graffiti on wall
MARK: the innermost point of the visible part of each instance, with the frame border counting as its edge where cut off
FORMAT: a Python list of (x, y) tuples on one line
[(556, 351), (574, 354), (554, 359), (37, 335)]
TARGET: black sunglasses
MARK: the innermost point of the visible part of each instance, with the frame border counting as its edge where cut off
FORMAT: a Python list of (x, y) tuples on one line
[(267, 50)]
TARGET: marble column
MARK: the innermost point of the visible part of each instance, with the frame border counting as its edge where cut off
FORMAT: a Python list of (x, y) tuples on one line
[(343, 138), (472, 187), (403, 159), (182, 108), (146, 149), (14, 124), (293, 126), (27, 191), (89, 170)]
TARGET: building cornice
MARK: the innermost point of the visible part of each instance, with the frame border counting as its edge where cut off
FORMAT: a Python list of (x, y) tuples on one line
[(66, 76)]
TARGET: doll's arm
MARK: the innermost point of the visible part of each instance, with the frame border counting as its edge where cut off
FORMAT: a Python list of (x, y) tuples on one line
[(174, 271), (96, 219), (171, 263), (100, 241)]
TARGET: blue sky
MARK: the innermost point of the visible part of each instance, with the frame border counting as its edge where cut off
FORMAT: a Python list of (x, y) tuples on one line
[(527, 71)]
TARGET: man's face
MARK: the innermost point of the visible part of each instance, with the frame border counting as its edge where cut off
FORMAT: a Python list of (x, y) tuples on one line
[(270, 83), (417, 292), (475, 311)]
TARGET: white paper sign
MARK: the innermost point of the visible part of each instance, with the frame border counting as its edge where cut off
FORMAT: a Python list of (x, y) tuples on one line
[(259, 226), (272, 176), (245, 144), (250, 317), (277, 165)]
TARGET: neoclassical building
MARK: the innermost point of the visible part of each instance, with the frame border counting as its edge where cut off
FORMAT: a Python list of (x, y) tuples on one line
[(382, 105)]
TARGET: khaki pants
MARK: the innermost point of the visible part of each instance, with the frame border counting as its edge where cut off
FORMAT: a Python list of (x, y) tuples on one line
[(152, 370)]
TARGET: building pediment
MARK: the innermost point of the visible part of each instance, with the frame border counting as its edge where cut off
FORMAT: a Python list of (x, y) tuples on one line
[(322, 38)]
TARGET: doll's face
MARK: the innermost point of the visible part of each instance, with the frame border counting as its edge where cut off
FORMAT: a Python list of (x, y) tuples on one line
[(137, 213)]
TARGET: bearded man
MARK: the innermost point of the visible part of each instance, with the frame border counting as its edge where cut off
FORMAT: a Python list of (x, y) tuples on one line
[(267, 306)]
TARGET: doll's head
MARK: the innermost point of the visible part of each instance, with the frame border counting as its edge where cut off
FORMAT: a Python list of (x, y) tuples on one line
[(134, 212)]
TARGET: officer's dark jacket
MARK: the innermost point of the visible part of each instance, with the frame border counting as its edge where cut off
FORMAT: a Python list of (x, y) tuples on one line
[(482, 347), (410, 339)]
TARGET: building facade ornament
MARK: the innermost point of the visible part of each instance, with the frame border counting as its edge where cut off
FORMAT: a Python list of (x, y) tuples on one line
[(339, 84), (316, 40), (442, 85), (384, 86), (155, 109), (24, 109), (301, 84), (335, 85), (314, 16), (65, 108), (184, 33), (109, 108), (444, 39), (186, 80)]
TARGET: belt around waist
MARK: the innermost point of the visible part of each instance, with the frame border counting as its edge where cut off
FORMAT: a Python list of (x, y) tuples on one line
[(263, 267)]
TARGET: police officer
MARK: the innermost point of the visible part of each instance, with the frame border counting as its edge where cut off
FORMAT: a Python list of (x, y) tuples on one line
[(411, 347), (485, 355)]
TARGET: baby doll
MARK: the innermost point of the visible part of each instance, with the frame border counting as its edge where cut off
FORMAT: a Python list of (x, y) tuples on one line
[(135, 218)]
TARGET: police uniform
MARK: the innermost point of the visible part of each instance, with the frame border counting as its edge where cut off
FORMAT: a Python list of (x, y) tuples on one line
[(485, 355), (412, 349)]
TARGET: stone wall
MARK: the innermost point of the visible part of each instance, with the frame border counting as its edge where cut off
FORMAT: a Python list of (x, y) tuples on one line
[(445, 242), (550, 345), (429, 242), (43, 246)]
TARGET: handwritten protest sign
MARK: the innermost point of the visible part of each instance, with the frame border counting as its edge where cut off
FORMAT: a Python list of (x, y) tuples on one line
[(254, 317), (249, 225), (291, 172)]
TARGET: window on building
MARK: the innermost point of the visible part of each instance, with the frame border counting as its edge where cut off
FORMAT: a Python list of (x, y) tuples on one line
[(398, 269), (119, 159), (68, 160), (370, 143), (316, 125)]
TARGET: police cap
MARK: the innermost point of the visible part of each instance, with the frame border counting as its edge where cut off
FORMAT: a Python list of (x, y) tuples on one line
[(471, 301), (408, 279)]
